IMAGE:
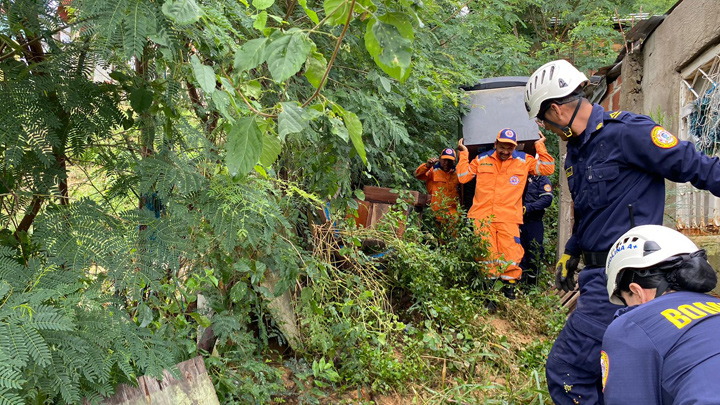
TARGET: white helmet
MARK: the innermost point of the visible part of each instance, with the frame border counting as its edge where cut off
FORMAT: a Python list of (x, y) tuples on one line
[(552, 80), (642, 247)]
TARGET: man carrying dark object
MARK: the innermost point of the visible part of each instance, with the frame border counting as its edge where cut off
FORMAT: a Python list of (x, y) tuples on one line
[(537, 197), (496, 211)]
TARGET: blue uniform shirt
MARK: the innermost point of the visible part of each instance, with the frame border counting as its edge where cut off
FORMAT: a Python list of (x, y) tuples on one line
[(623, 158), (538, 196), (665, 351)]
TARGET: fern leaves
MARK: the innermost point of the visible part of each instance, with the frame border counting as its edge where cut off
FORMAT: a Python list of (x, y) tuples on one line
[(10, 378), (8, 397), (125, 24), (60, 337)]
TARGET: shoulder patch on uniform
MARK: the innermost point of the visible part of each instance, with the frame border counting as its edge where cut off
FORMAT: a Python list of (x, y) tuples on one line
[(548, 188), (605, 367), (662, 138), (615, 114), (569, 171)]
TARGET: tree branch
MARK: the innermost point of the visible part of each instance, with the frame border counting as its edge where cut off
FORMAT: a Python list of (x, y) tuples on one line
[(36, 39), (332, 59), (29, 217), (290, 9), (459, 10)]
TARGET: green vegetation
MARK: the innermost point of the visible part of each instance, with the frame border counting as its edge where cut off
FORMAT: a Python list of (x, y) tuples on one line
[(164, 164)]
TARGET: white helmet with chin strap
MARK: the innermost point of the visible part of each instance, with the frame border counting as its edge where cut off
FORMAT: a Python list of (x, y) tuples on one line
[(552, 80), (659, 249)]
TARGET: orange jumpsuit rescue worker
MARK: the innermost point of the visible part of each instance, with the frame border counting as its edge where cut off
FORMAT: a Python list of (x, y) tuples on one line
[(497, 206), (441, 182)]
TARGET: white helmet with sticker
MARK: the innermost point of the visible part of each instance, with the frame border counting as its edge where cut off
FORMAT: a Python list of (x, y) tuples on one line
[(552, 80), (642, 247)]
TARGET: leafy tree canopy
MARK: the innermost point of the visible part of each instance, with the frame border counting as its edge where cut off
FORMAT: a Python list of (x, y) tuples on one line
[(155, 150)]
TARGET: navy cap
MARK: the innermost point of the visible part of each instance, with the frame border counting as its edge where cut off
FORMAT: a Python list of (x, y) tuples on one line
[(507, 135), (448, 153)]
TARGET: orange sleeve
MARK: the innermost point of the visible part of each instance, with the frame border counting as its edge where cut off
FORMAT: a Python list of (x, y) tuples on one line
[(421, 173), (545, 164), (465, 170)]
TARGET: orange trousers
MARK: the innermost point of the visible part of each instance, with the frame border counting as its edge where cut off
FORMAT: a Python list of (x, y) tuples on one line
[(506, 252)]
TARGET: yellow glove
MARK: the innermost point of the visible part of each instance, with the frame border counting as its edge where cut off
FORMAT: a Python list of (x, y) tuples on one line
[(565, 272)]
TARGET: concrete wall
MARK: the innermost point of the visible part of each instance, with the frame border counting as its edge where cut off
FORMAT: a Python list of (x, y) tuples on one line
[(650, 82), (691, 28)]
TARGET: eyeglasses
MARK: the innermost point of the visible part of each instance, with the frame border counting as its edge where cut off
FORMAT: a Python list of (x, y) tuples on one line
[(541, 114)]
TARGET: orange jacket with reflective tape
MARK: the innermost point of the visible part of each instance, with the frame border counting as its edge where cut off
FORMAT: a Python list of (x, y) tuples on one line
[(499, 187), (440, 185)]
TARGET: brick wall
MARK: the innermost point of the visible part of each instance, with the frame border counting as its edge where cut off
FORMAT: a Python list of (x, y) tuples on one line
[(611, 101)]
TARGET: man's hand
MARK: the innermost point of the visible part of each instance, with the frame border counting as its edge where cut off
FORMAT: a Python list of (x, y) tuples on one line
[(565, 272), (542, 138), (431, 162), (461, 146)]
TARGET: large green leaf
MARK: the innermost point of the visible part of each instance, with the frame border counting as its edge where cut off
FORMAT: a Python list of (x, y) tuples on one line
[(354, 126), (252, 89), (310, 13), (204, 75), (315, 67), (260, 21), (262, 4), (182, 11), (388, 39), (141, 99), (286, 54), (251, 54), (338, 128), (244, 146), (352, 129), (291, 119), (222, 101), (271, 149), (337, 10)]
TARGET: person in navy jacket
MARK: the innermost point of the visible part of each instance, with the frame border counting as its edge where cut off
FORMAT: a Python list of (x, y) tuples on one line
[(664, 347), (537, 197), (614, 160)]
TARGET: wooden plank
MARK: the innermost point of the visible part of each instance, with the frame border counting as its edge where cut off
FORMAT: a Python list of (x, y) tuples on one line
[(383, 195), (378, 212), (566, 297), (364, 212), (192, 387), (572, 302), (424, 200)]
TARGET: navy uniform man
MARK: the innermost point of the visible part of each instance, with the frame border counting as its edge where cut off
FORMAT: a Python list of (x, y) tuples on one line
[(663, 348), (537, 197), (614, 159)]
